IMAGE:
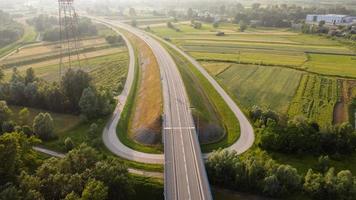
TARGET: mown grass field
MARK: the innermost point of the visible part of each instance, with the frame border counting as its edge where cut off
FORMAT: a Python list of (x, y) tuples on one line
[(62, 122), (269, 87), (52, 48), (315, 99)]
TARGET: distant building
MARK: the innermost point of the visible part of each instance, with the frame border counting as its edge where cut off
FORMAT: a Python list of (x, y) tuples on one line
[(331, 19)]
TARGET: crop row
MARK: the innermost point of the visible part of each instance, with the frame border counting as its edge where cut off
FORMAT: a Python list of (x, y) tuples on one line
[(315, 99)]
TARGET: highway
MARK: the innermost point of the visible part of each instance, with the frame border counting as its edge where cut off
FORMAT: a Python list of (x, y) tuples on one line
[(185, 175), (182, 151)]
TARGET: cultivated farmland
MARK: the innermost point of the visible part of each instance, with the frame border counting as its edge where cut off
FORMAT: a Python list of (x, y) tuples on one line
[(264, 66), (107, 64), (316, 98)]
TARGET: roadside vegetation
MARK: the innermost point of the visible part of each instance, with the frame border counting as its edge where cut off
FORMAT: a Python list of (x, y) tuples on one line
[(140, 125)]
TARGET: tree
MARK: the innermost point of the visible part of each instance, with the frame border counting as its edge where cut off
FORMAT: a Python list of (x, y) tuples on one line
[(216, 24), (323, 163), (16, 154), (95, 190), (272, 187), (81, 158), (114, 39), (134, 23), (170, 25), (1, 75), (5, 112), (132, 12), (43, 126), (222, 10), (114, 174), (289, 178), (68, 143), (256, 6), (321, 23), (10, 192), (30, 76), (16, 76), (93, 130), (73, 84), (24, 116), (313, 183), (88, 103), (243, 26), (190, 13)]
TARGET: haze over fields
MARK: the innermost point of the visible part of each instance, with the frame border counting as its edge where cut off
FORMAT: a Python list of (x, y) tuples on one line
[(177, 99)]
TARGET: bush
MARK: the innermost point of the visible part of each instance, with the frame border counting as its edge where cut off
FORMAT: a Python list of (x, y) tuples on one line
[(43, 126), (68, 144), (8, 126), (114, 39)]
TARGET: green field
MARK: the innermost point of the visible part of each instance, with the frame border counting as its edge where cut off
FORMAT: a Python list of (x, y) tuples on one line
[(264, 66), (315, 99), (107, 71), (269, 87), (264, 46), (332, 64), (62, 122)]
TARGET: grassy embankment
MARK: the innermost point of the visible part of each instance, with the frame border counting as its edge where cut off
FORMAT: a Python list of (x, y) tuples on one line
[(144, 104)]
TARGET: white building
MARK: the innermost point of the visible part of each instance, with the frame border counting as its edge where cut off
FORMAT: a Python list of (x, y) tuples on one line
[(330, 19)]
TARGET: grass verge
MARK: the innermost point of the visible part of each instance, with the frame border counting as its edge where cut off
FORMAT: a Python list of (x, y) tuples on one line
[(126, 115)]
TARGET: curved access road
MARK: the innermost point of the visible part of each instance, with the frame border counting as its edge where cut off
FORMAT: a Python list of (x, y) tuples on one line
[(247, 136), (110, 137)]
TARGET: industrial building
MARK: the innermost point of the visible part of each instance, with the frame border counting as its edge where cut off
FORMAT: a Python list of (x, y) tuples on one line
[(331, 19)]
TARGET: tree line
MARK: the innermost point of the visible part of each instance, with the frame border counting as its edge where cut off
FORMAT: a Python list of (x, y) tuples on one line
[(49, 27), (83, 174), (10, 30), (282, 15), (75, 93), (302, 136), (258, 173)]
